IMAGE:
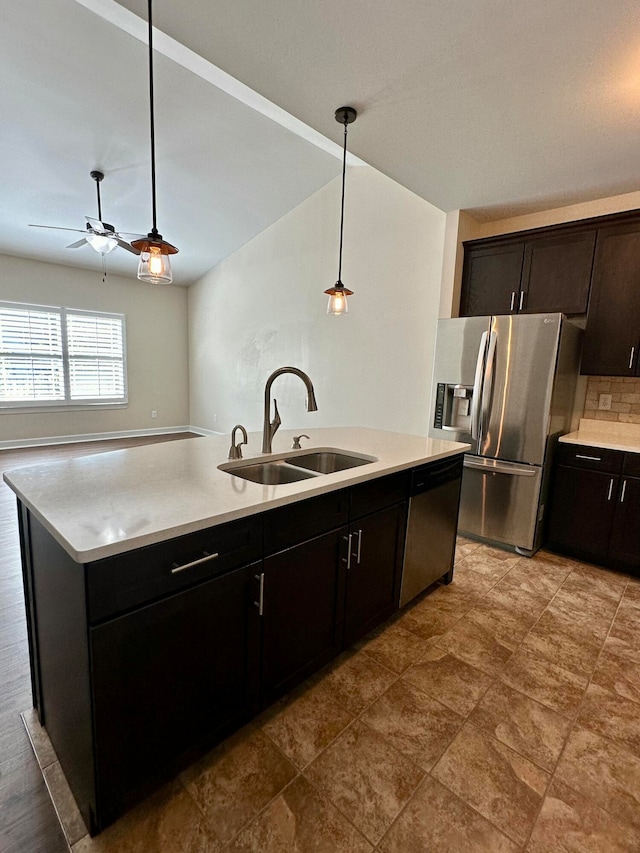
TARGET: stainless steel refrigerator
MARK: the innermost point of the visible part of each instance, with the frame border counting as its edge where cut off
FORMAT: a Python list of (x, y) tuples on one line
[(505, 385)]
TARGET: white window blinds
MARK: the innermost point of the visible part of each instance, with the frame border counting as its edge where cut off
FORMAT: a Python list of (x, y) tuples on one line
[(59, 356)]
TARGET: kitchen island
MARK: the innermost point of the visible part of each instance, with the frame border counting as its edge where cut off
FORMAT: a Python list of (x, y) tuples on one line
[(168, 601)]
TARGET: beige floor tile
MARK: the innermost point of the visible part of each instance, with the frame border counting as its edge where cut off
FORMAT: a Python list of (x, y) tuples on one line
[(428, 623), (510, 612), (603, 772), (595, 614), (448, 679), (544, 681), (523, 724), (436, 820), (356, 681), (618, 675), (366, 778), (492, 562), (529, 606), (300, 820), (465, 546), (234, 782), (624, 638), (450, 599), (596, 582), (466, 579), (305, 723), (68, 812), (39, 738), (569, 823), (394, 648), (536, 575), (563, 641), (169, 822), (632, 593), (504, 787), (472, 639), (414, 723), (612, 716)]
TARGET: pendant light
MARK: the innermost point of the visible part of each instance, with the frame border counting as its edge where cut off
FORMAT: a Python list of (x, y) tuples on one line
[(338, 293), (154, 266)]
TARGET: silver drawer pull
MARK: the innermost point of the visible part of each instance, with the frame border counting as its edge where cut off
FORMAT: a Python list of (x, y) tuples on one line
[(610, 489), (521, 306), (624, 489), (631, 354), (590, 458), (359, 545), (205, 559), (348, 539), (513, 300)]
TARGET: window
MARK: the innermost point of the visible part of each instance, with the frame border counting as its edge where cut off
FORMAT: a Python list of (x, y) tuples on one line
[(60, 357)]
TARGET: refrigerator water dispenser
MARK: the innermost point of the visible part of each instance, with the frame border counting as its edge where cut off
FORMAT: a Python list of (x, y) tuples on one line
[(453, 407)]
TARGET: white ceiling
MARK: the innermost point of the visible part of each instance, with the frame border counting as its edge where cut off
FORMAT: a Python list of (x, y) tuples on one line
[(494, 106)]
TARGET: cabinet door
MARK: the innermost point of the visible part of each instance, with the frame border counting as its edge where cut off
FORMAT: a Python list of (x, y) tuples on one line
[(301, 620), (373, 573), (612, 333), (625, 537), (582, 512), (557, 273), (168, 677), (491, 279)]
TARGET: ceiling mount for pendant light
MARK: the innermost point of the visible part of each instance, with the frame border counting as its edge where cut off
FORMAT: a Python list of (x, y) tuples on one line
[(338, 293), (154, 266)]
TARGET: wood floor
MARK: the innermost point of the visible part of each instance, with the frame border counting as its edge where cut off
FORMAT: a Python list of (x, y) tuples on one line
[(28, 823)]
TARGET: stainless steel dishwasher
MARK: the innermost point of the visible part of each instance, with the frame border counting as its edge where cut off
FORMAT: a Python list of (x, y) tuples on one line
[(431, 529)]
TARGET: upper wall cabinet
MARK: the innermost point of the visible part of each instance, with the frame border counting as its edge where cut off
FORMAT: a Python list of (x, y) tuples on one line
[(540, 272), (612, 336)]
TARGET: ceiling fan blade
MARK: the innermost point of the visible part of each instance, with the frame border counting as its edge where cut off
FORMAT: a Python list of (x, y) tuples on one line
[(124, 245), (96, 225), (77, 245), (58, 228)]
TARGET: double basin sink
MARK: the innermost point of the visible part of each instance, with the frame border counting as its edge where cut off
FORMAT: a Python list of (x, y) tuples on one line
[(294, 467)]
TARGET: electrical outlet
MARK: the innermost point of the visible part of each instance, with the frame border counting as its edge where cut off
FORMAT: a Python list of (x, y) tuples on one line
[(154, 414), (604, 402)]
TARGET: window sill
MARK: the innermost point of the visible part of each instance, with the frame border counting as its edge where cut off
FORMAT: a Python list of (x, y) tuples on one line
[(70, 407)]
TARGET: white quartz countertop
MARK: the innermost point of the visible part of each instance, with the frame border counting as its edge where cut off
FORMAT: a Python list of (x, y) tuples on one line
[(107, 503), (605, 434)]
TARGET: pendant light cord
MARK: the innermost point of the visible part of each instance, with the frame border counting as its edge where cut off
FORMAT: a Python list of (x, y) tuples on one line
[(344, 172), (153, 124)]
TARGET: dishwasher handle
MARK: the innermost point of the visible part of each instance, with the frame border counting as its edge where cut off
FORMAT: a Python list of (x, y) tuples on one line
[(436, 474)]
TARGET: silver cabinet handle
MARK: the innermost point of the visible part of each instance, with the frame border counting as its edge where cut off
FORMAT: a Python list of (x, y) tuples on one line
[(631, 354), (359, 546), (260, 602), (591, 458), (513, 300), (610, 489), (205, 559), (348, 539), (624, 489), (521, 306)]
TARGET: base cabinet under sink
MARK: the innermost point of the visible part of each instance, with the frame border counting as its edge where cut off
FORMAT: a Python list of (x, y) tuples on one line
[(135, 681)]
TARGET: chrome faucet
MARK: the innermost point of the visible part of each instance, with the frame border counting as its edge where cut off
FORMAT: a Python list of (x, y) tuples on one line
[(235, 451), (270, 428)]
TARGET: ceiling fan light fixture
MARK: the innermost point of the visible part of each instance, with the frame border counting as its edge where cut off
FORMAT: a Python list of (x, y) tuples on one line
[(338, 293), (102, 243), (154, 265)]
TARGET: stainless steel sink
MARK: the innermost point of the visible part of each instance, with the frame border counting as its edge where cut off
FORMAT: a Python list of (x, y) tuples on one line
[(328, 461), (288, 468), (269, 473)]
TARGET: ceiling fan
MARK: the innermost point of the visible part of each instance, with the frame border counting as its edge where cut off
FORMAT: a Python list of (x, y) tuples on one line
[(101, 236)]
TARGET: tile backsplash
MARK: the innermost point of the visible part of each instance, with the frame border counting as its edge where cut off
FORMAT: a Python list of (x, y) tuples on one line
[(625, 399)]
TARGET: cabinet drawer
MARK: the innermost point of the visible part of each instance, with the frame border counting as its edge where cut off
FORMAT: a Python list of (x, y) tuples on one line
[(631, 465), (594, 458), (377, 494), (305, 519), (127, 580)]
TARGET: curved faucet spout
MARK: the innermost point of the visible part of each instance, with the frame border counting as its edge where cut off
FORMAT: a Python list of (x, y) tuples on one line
[(269, 428)]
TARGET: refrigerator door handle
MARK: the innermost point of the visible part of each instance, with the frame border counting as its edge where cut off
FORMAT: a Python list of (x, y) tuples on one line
[(496, 466), (477, 387), (487, 383)]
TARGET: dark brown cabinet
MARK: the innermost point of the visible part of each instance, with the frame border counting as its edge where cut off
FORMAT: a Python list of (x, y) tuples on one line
[(612, 335), (543, 273), (373, 570), (301, 590), (595, 509)]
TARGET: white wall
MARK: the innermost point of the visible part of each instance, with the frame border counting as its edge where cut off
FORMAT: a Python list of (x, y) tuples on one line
[(156, 319), (264, 307)]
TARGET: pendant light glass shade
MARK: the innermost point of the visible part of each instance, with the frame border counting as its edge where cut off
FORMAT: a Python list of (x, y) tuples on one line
[(154, 266), (338, 293)]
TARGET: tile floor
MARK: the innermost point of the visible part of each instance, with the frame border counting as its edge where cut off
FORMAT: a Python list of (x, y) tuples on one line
[(498, 714)]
